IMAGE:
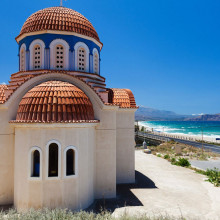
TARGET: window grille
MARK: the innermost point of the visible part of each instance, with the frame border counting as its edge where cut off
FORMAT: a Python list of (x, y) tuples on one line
[(37, 57), (96, 64), (59, 57), (82, 60), (22, 60)]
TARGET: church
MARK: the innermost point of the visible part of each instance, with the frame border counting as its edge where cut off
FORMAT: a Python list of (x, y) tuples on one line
[(66, 139)]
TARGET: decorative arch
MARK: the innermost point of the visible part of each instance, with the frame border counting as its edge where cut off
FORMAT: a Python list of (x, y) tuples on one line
[(15, 98), (95, 61), (22, 55), (37, 48), (81, 49), (35, 166), (70, 167), (49, 157), (59, 54)]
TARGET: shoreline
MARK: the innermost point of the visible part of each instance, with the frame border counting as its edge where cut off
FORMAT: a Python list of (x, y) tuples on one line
[(180, 135)]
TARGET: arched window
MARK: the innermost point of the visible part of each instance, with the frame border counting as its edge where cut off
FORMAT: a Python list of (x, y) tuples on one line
[(70, 161), (37, 57), (96, 63), (23, 58), (37, 48), (35, 163), (81, 59), (53, 170), (59, 57)]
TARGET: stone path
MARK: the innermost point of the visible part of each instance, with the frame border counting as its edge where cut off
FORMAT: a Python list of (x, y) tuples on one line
[(173, 190), (204, 165)]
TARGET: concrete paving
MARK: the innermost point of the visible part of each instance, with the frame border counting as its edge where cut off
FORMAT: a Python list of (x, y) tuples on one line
[(204, 165), (173, 191)]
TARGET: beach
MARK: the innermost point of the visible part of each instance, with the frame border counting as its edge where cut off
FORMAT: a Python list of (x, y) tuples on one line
[(172, 132)]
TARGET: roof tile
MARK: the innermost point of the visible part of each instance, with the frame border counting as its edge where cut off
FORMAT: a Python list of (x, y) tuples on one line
[(61, 19), (60, 103)]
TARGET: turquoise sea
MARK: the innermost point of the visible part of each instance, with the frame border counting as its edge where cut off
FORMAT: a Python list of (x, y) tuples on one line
[(210, 128)]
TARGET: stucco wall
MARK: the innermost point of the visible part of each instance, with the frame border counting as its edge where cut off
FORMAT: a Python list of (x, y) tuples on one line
[(125, 146), (106, 155), (6, 159), (74, 193)]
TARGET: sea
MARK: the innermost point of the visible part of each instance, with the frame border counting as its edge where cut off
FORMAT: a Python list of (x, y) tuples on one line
[(209, 128)]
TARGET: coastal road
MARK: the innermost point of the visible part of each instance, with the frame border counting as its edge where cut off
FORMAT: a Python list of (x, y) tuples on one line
[(209, 147)]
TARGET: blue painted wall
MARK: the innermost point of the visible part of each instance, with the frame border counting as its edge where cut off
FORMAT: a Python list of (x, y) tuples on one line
[(71, 40), (48, 38)]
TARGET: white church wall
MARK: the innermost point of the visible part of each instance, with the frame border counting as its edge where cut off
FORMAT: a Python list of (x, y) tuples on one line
[(6, 160), (125, 144), (106, 155), (73, 193)]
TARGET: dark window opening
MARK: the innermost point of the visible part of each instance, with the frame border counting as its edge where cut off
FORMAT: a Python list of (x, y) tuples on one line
[(70, 162), (53, 160), (36, 164)]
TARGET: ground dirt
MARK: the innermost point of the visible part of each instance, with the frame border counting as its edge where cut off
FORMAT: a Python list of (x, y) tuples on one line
[(172, 190)]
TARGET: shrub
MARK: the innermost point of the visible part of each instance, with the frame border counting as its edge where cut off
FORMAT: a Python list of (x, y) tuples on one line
[(166, 156), (159, 155), (173, 161), (172, 141), (183, 162), (213, 176)]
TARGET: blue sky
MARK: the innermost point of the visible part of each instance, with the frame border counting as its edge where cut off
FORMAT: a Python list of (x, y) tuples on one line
[(166, 51)]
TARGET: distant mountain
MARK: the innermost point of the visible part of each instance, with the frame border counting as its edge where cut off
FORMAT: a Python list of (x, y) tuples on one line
[(206, 117), (151, 114)]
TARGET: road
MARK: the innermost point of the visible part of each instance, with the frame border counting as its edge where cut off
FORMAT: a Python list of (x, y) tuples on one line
[(209, 147)]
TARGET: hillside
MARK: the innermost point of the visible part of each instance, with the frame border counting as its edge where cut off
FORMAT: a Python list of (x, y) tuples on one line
[(206, 117), (151, 114)]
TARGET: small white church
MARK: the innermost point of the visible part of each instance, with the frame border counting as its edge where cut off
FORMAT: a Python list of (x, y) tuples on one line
[(65, 139)]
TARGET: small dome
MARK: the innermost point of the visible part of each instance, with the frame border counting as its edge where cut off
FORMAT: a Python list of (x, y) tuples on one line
[(59, 19), (124, 98), (55, 101)]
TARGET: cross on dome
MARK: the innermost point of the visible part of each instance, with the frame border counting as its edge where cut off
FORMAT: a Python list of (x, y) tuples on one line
[(61, 3)]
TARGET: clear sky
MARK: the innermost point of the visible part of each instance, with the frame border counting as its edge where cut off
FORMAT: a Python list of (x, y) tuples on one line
[(166, 51)]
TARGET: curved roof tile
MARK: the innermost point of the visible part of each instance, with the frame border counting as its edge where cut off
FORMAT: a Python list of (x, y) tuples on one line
[(59, 19), (55, 101), (124, 98), (2, 93)]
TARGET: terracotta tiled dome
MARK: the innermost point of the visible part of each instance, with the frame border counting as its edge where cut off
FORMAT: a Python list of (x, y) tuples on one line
[(124, 98), (59, 19), (55, 101)]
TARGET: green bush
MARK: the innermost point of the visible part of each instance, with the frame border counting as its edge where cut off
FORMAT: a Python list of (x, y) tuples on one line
[(173, 160), (166, 156), (180, 162), (158, 155), (213, 176), (171, 141), (183, 162)]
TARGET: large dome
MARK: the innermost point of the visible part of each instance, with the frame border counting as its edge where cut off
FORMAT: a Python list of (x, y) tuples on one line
[(55, 101), (59, 19)]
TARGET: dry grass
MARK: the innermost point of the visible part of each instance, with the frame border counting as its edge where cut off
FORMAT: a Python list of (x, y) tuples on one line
[(62, 214), (187, 151)]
